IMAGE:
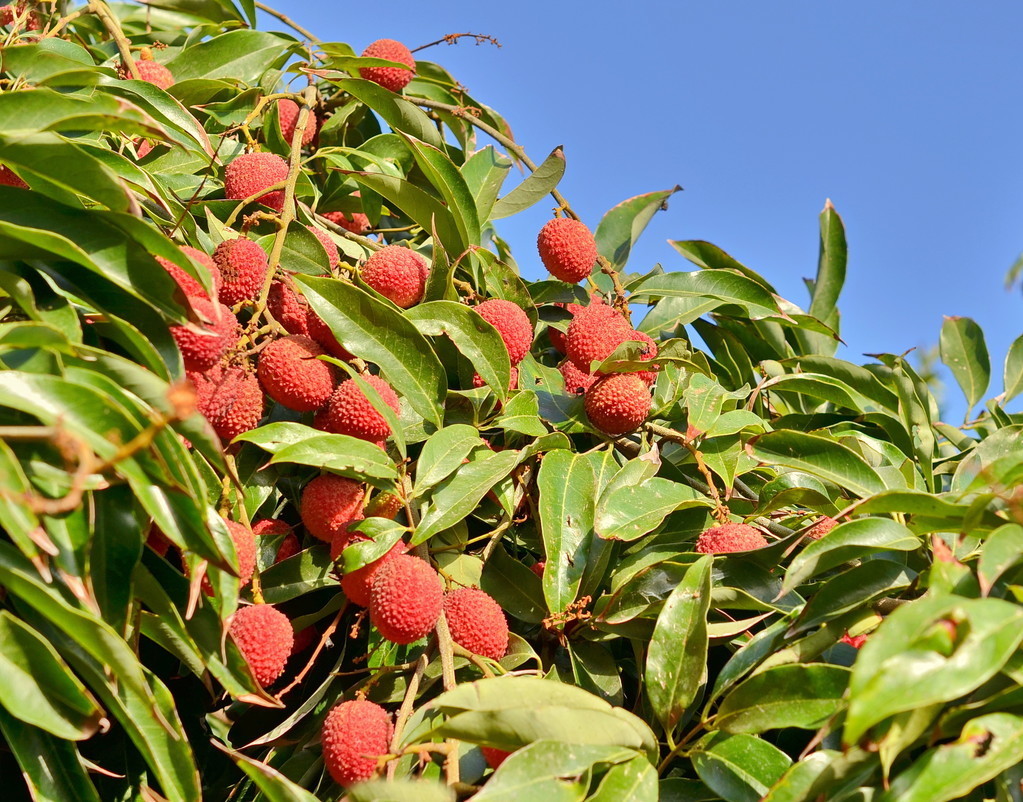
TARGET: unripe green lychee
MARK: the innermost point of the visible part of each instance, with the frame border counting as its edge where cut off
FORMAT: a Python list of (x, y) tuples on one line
[(354, 735), (477, 622), (350, 412), (511, 323), (728, 538), (251, 172), (287, 118), (243, 265), (397, 273), (617, 403), (291, 374), (405, 599), (567, 249), (393, 78), (329, 504), (266, 638)]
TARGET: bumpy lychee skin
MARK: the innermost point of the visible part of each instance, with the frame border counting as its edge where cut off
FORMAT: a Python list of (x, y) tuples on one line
[(272, 527), (230, 399), (9, 12), (201, 350), (329, 504), (288, 308), (354, 735), (576, 382), (321, 332), (821, 528), (189, 285), (152, 72), (405, 599), (513, 380), (494, 756), (356, 585), (243, 265), (538, 567), (397, 273), (477, 622), (617, 403), (567, 249), (649, 352), (333, 257), (245, 549), (287, 117), (511, 323), (356, 222), (249, 173), (594, 333), (292, 375), (350, 412), (266, 638), (557, 337), (393, 78), (9, 178), (728, 538)]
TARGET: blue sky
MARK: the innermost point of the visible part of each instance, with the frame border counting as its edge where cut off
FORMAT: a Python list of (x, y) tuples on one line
[(908, 115)]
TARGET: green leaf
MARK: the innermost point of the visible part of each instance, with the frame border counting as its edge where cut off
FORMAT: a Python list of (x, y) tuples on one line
[(53, 62), (630, 512), (516, 588), (964, 352), (567, 491), (987, 746), (800, 696), (51, 767), (400, 791), (1012, 379), (240, 55), (721, 286), (831, 264), (635, 781), (677, 655), (522, 414), (376, 332), (274, 785), (534, 187), (442, 453), (444, 176), (854, 588), (710, 257), (848, 541), (341, 454), (485, 172), (1003, 549), (622, 225), (740, 768), (399, 113), (48, 110), (473, 336), (820, 456)]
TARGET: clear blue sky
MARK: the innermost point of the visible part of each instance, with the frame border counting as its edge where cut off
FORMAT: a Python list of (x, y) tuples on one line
[(908, 115)]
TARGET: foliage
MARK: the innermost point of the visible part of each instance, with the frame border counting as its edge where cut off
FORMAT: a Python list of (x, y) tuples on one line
[(637, 668)]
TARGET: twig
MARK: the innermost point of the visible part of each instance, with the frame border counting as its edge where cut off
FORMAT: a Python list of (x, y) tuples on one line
[(113, 26), (447, 664), (452, 38), (287, 21), (720, 510), (406, 706), (316, 652)]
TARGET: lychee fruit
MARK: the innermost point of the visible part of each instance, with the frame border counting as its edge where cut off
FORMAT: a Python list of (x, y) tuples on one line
[(538, 567), (243, 265), (354, 735), (272, 527), (245, 551), (333, 257), (513, 380), (202, 348), (329, 504), (287, 117), (617, 403), (397, 273), (356, 585), (494, 756), (265, 636), (557, 337), (649, 352), (594, 333), (856, 642), (8, 13), (567, 249), (291, 374), (477, 622), (320, 331), (288, 308), (9, 178), (189, 285), (511, 323), (230, 399), (728, 538), (821, 528), (152, 72), (576, 382), (356, 222), (350, 412), (405, 599), (158, 541), (393, 78), (251, 172)]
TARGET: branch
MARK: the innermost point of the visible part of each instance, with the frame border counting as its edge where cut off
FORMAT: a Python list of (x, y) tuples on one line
[(287, 21), (113, 26)]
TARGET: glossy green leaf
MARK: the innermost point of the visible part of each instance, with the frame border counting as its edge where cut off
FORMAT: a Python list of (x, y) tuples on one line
[(622, 225), (635, 780), (533, 187), (1003, 549), (400, 791), (821, 456), (399, 113), (631, 512), (444, 175), (240, 55), (1012, 374), (341, 454), (800, 696), (964, 352), (51, 767), (274, 786), (741, 768)]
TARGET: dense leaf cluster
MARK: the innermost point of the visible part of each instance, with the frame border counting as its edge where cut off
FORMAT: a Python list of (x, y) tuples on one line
[(880, 661)]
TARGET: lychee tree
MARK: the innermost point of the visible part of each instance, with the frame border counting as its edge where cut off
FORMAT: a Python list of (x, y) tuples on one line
[(306, 493)]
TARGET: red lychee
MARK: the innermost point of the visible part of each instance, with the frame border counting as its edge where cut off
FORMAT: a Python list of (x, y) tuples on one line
[(321, 332), (288, 308), (558, 338), (356, 222), (189, 285), (594, 333), (576, 382), (354, 735), (567, 249), (821, 528), (513, 380), (393, 78), (405, 599), (649, 352), (333, 257), (617, 403), (157, 541), (243, 265), (152, 72), (9, 178), (511, 323), (272, 527), (266, 638), (537, 568), (855, 642), (477, 622), (727, 538), (329, 503), (350, 412), (245, 550), (494, 756), (202, 349), (397, 273), (251, 172), (287, 116), (8, 13), (230, 399), (292, 375), (356, 585)]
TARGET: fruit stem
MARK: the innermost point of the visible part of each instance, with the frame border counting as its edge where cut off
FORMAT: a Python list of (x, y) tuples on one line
[(452, 38), (113, 26)]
